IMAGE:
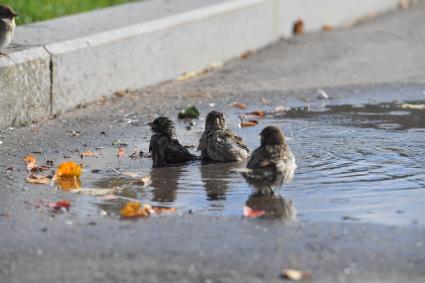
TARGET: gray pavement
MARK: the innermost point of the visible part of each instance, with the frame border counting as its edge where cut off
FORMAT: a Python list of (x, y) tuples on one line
[(375, 61)]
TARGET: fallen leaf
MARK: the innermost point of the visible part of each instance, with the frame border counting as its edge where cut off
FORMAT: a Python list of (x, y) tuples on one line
[(298, 27), (257, 113), (295, 275), (120, 93), (134, 209), (69, 169), (246, 54), (39, 179), (265, 101), (413, 106), (144, 181), (161, 209), (120, 152), (239, 105), (60, 204), (189, 113), (130, 174), (188, 75), (214, 65), (250, 123), (252, 213), (31, 162), (327, 28), (96, 191), (88, 154)]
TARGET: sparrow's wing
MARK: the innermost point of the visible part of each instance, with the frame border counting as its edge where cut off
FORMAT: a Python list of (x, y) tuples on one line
[(175, 153), (230, 144), (257, 159), (203, 142)]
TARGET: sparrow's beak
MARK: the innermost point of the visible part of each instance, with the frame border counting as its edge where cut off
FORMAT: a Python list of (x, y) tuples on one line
[(150, 124), (13, 14)]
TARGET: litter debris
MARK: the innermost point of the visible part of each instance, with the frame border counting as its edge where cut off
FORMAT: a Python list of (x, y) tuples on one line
[(321, 94), (189, 113), (120, 152), (295, 275), (413, 106)]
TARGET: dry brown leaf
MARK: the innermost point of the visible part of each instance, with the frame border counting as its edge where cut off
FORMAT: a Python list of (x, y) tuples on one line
[(246, 54), (134, 209), (88, 154), (39, 179), (69, 169), (120, 93), (31, 162), (298, 27), (121, 152), (250, 123), (96, 191), (188, 75), (295, 275), (327, 28), (239, 105), (258, 113)]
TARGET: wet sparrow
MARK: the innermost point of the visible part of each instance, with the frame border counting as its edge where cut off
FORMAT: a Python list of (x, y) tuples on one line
[(7, 26), (273, 163), (220, 144), (164, 146)]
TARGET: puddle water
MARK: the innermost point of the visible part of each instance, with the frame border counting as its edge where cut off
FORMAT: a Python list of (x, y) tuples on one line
[(357, 163)]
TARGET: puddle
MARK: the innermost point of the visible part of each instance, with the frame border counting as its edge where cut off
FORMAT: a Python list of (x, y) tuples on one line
[(356, 163)]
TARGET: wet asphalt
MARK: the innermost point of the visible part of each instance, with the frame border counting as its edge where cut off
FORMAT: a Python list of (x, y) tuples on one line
[(377, 61)]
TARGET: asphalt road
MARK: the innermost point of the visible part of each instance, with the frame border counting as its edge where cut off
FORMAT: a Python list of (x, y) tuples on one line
[(379, 60)]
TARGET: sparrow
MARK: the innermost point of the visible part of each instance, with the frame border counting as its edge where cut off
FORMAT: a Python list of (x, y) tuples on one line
[(7, 26), (220, 144), (164, 146), (271, 164)]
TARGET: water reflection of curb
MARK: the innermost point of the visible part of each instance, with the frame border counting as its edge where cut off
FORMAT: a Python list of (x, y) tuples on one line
[(146, 43)]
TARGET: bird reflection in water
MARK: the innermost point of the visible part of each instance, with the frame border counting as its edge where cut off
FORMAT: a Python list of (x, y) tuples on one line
[(267, 204), (165, 183), (215, 177)]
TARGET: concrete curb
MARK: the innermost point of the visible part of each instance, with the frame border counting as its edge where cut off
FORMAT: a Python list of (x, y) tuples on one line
[(154, 45)]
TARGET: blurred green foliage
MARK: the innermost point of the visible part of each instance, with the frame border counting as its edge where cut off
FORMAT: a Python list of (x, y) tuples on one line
[(38, 10)]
